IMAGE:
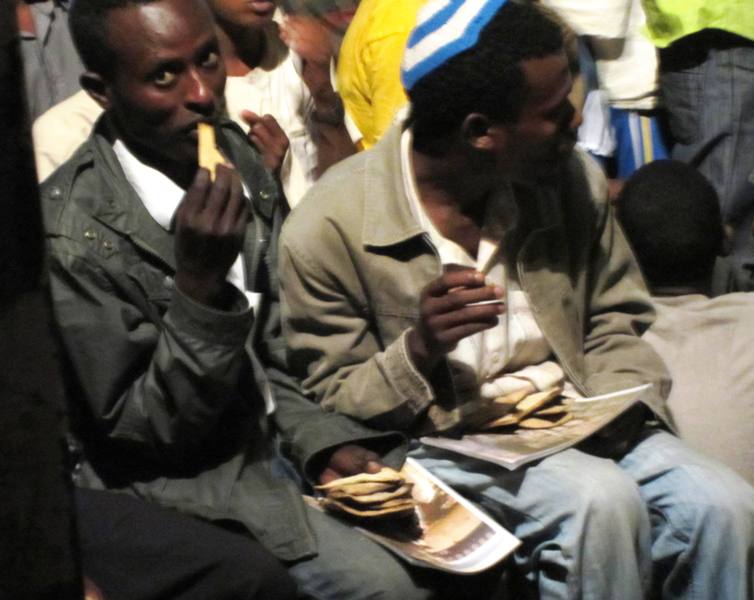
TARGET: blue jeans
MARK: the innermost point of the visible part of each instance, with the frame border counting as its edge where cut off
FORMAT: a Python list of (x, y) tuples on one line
[(663, 522)]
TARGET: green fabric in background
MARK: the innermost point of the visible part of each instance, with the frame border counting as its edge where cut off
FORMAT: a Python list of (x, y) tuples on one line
[(670, 20)]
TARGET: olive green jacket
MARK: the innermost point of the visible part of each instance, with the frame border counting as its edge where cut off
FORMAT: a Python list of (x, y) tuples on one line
[(353, 262), (170, 394)]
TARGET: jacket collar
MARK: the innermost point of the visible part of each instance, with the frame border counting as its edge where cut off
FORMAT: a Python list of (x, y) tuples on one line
[(118, 206), (387, 214), (388, 219)]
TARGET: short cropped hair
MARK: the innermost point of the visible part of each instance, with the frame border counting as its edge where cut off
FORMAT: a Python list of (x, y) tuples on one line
[(88, 24), (486, 78), (671, 215)]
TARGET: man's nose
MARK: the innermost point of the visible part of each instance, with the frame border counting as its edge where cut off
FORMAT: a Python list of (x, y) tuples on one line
[(200, 96)]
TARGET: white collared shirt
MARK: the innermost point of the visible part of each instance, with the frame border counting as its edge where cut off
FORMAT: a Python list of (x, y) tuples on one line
[(161, 197), (515, 353)]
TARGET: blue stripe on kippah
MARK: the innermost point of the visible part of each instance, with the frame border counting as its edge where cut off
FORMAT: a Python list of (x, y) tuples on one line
[(439, 19), (445, 53)]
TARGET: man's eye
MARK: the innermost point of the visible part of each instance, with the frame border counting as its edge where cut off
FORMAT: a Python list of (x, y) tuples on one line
[(164, 78), (211, 60)]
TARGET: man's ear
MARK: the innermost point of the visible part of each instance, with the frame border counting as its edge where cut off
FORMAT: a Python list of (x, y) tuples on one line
[(479, 133), (96, 87)]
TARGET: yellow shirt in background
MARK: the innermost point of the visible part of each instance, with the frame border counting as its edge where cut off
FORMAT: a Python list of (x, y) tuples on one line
[(369, 64), (670, 20)]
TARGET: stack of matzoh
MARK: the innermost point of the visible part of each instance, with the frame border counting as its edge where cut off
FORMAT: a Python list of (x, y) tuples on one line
[(540, 410), (375, 495)]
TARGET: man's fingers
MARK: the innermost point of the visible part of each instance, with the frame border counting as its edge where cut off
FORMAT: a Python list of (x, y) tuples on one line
[(463, 297), (486, 313), (327, 476), (307, 37), (352, 459), (251, 118), (219, 194), (233, 219), (194, 200), (468, 278), (270, 135), (274, 128), (261, 136)]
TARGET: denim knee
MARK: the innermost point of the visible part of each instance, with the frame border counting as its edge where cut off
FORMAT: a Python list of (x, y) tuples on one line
[(604, 497), (717, 501)]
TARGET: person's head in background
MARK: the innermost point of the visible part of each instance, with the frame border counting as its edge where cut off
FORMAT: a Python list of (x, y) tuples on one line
[(241, 26), (232, 14), (671, 216), (335, 14)]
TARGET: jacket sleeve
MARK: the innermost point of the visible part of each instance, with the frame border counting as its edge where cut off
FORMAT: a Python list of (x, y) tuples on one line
[(308, 433), (156, 383), (619, 311), (333, 343)]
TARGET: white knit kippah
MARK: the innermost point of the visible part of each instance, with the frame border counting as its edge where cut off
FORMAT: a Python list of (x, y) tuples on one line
[(443, 29)]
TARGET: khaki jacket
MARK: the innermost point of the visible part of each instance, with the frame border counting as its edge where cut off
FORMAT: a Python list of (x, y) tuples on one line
[(170, 394), (354, 261)]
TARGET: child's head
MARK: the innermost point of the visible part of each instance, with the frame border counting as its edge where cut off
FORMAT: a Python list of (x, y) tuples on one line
[(671, 216)]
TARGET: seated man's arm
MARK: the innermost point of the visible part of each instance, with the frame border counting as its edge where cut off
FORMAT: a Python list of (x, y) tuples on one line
[(336, 346), (620, 311), (333, 345), (156, 382), (160, 386), (311, 436)]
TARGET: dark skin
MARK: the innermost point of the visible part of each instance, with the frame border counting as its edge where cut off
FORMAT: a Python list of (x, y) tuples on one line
[(269, 138), (167, 78), (350, 460), (210, 225), (447, 315)]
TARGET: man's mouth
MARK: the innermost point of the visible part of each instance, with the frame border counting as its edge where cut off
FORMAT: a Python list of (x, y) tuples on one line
[(262, 8)]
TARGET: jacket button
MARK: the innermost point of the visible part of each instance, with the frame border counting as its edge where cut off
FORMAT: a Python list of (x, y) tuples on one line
[(168, 282), (55, 193), (90, 234), (107, 244), (265, 194)]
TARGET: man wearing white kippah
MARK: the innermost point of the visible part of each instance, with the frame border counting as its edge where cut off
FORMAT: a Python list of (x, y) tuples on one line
[(472, 253)]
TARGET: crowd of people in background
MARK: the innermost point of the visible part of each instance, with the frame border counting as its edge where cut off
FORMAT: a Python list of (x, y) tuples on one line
[(425, 205)]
